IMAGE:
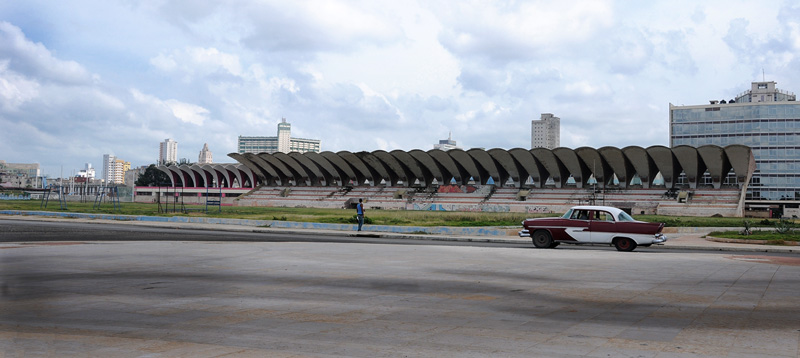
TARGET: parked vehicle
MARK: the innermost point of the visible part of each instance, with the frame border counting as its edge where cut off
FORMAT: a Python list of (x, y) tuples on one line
[(593, 225)]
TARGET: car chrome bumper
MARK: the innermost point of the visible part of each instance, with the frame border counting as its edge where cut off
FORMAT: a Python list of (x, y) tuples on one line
[(660, 238), (524, 233)]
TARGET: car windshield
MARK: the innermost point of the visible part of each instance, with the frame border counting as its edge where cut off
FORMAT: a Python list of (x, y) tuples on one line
[(567, 214), (623, 216)]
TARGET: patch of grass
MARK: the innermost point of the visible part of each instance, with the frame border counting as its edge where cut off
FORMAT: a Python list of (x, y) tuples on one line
[(375, 217), (771, 237)]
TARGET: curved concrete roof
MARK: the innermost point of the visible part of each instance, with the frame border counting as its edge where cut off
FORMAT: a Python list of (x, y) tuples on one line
[(530, 166), (642, 163), (717, 163), (580, 173), (558, 172), (690, 161), (193, 175), (519, 165), (507, 165), (666, 163), (619, 165)]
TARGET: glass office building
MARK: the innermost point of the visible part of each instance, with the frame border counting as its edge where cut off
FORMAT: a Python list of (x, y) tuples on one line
[(763, 118)]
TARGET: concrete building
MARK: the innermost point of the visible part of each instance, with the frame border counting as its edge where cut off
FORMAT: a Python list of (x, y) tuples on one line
[(87, 172), (168, 151), (19, 175), (763, 118), (546, 132), (282, 143), (447, 144), (205, 156), (114, 169)]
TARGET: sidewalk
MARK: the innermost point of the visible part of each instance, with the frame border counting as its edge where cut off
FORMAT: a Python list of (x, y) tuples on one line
[(686, 239)]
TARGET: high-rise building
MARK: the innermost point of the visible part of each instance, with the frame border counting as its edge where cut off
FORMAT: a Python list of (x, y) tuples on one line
[(205, 156), (546, 132), (283, 142), (114, 169), (764, 118), (167, 151), (446, 144)]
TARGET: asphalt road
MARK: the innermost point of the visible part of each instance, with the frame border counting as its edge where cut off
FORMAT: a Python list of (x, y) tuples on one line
[(71, 289)]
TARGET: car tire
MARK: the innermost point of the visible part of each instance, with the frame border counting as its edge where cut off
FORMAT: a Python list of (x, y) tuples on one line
[(542, 239), (625, 244)]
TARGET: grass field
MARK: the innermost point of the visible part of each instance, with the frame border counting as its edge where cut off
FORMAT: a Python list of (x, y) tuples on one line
[(377, 217)]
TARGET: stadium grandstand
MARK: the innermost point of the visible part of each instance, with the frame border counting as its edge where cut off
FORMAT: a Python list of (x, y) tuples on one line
[(683, 180)]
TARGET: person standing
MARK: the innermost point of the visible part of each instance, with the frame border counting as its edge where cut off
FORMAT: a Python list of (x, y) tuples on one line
[(360, 213)]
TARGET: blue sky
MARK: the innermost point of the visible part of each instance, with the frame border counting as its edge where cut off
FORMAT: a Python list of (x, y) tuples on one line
[(80, 79)]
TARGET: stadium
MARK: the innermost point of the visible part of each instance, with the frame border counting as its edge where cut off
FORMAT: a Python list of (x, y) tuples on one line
[(683, 180)]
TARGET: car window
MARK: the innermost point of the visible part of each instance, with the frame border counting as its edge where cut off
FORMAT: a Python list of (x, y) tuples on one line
[(580, 214), (623, 216), (603, 216), (568, 214)]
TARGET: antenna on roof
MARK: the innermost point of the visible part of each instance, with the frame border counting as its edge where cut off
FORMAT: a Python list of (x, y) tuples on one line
[(763, 78)]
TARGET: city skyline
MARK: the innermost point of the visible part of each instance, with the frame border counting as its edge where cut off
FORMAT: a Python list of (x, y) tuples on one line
[(366, 76)]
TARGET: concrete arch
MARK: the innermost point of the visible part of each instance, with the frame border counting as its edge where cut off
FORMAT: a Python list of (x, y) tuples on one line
[(424, 159), (691, 163), (483, 159), (619, 164), (574, 164), (319, 178), (300, 175), (258, 171), (558, 172), (666, 163), (742, 161), (345, 171), (596, 165), (397, 172), (716, 162), (271, 175), (507, 165), (202, 177), (362, 172), (377, 169), (172, 175), (413, 166), (330, 172), (448, 165), (465, 161), (218, 175), (283, 171), (642, 164), (530, 167)]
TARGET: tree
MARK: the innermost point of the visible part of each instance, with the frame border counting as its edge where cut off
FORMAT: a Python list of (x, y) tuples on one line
[(153, 177)]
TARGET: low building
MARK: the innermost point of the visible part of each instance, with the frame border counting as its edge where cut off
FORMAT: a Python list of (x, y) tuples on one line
[(282, 143)]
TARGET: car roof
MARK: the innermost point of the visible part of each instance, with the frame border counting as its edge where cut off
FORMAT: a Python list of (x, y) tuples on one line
[(610, 209)]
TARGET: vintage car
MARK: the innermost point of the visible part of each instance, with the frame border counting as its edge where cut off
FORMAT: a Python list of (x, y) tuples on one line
[(593, 225)]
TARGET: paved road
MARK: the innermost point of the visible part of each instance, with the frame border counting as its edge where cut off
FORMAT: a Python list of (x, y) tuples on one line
[(290, 298)]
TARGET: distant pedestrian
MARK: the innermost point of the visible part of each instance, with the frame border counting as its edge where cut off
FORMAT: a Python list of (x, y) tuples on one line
[(360, 213)]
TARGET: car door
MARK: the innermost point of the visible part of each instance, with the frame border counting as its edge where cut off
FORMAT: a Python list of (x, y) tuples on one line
[(578, 225), (602, 227)]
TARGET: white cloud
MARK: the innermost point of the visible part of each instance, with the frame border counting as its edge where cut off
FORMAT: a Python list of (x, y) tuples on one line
[(15, 89)]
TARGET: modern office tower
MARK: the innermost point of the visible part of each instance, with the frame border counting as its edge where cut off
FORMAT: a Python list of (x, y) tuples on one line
[(167, 152), (205, 156), (546, 132), (447, 144), (283, 142), (764, 118), (114, 169)]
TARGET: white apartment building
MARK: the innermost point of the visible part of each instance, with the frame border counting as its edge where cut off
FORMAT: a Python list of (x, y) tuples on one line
[(114, 169), (168, 151), (546, 132)]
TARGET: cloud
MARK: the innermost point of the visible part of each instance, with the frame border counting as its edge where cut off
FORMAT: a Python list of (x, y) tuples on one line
[(24, 56)]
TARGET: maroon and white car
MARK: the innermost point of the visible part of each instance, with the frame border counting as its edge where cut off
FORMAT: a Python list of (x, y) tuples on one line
[(593, 225)]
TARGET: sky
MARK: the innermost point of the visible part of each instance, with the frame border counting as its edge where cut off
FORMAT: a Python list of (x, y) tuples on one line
[(84, 78)]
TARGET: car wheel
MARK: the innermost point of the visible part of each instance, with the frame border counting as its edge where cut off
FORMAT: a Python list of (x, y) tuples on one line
[(625, 244), (542, 239)]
